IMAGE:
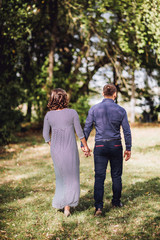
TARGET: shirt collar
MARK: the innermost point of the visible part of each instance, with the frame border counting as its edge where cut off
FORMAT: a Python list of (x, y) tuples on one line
[(107, 100)]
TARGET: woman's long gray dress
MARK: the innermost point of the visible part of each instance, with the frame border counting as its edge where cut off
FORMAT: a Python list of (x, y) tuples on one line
[(64, 153)]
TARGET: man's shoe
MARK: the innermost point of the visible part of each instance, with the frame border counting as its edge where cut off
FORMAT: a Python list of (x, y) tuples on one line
[(117, 205), (98, 212)]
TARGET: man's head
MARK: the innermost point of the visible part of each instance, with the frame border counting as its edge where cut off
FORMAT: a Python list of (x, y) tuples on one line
[(110, 91)]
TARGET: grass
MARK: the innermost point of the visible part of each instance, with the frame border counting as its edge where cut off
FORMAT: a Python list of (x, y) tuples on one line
[(28, 182)]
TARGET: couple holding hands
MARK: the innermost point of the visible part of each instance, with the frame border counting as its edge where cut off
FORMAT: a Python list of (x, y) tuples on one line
[(107, 117)]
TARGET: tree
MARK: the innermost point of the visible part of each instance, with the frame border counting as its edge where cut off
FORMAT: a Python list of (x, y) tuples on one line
[(135, 39), (58, 43)]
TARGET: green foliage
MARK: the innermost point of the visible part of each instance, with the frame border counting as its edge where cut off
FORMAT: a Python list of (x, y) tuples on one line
[(10, 98), (10, 123), (81, 37), (11, 90), (137, 28), (18, 27), (40, 92), (82, 107)]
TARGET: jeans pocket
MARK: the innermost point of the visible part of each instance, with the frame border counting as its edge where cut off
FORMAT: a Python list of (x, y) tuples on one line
[(99, 146), (98, 149)]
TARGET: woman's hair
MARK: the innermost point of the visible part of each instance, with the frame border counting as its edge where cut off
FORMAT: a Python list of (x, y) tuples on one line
[(58, 99), (109, 89)]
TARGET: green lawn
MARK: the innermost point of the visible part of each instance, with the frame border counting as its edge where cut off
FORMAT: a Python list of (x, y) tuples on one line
[(27, 187)]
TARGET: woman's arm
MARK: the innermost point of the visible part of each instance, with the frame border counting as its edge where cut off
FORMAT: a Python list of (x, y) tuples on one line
[(46, 130), (85, 147), (80, 134)]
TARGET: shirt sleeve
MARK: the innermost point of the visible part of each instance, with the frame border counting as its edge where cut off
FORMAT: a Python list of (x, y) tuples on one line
[(77, 126), (46, 129), (127, 132), (89, 123)]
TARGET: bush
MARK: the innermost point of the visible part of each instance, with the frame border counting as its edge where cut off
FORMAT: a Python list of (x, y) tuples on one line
[(81, 106), (9, 124)]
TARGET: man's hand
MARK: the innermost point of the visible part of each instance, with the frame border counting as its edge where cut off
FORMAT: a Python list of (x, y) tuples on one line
[(127, 154), (83, 149), (87, 151)]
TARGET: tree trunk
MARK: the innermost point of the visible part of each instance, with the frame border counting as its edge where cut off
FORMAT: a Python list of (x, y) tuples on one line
[(53, 13), (28, 76), (133, 100), (51, 65), (115, 78), (29, 111)]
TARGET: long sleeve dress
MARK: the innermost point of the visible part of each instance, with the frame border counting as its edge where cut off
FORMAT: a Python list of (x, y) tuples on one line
[(64, 153)]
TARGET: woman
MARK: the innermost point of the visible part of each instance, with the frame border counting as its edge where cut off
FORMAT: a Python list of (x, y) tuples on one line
[(64, 152)]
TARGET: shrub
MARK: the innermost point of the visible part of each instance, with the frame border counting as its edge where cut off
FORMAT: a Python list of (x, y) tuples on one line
[(81, 106)]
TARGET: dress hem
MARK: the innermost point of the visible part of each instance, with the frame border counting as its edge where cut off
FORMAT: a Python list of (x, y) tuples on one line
[(70, 205)]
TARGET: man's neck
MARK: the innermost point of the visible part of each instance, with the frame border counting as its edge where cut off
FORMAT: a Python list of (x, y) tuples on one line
[(108, 97)]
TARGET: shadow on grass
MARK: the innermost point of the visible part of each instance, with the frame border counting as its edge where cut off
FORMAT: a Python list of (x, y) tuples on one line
[(23, 141), (136, 190), (139, 189), (71, 230), (10, 192), (86, 202), (149, 230), (151, 186), (133, 191), (148, 149)]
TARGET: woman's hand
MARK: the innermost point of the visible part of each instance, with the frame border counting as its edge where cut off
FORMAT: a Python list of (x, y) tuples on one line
[(49, 143), (87, 151), (85, 147)]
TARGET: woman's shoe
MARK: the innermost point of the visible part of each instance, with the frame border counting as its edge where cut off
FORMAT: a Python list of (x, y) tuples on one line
[(67, 213)]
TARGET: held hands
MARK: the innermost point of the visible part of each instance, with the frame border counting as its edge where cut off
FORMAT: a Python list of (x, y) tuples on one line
[(87, 151), (127, 154), (85, 148)]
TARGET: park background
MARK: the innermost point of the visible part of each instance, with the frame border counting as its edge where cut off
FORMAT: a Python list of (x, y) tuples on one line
[(78, 46)]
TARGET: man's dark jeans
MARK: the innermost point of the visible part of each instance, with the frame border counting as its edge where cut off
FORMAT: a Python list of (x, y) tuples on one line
[(104, 151)]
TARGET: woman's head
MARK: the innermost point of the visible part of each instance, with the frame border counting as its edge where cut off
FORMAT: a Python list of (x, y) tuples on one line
[(58, 99)]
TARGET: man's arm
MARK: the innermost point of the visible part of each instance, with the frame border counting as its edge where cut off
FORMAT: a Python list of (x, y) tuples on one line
[(127, 137), (88, 125)]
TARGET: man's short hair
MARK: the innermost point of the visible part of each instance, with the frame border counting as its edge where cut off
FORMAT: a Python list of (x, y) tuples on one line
[(109, 90)]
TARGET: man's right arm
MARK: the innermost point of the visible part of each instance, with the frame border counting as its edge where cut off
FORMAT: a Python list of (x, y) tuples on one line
[(88, 125)]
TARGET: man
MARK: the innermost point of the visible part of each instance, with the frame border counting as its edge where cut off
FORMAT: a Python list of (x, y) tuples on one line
[(108, 117)]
